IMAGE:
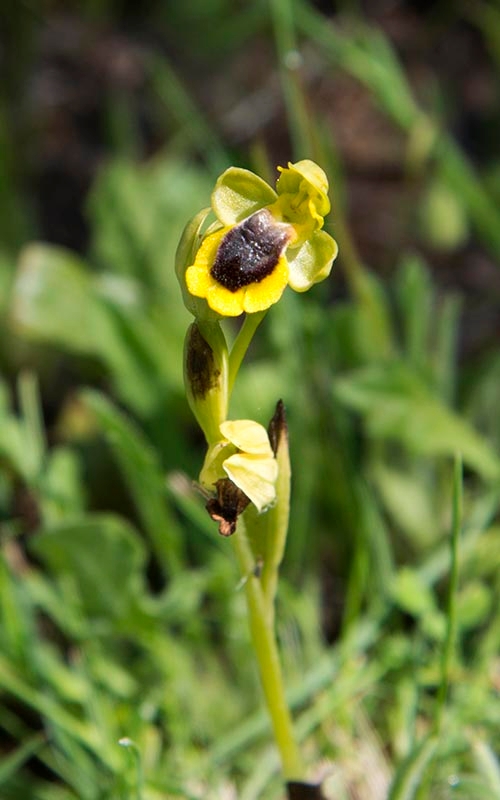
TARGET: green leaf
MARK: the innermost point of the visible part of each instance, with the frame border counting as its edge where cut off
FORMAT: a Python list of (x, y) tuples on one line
[(58, 299), (54, 300), (373, 322), (62, 492), (367, 55), (488, 764), (22, 442), (473, 605), (146, 482), (138, 212), (443, 218), (396, 404), (416, 301), (105, 558), (408, 501), (9, 765), (13, 446), (412, 594), (410, 773)]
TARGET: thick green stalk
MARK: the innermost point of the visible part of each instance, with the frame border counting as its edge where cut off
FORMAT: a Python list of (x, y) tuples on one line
[(209, 387), (266, 651)]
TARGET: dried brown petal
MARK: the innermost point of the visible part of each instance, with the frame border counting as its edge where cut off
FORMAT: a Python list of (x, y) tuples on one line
[(226, 507), (278, 426)]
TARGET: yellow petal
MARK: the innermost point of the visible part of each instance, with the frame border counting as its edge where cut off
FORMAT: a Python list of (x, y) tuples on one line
[(220, 299), (198, 281), (262, 295), (247, 435), (255, 476), (198, 278), (208, 249)]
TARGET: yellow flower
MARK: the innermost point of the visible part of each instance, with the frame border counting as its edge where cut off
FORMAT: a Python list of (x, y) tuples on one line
[(244, 455), (263, 240)]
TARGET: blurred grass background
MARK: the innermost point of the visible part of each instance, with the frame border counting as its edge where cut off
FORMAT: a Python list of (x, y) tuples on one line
[(125, 669)]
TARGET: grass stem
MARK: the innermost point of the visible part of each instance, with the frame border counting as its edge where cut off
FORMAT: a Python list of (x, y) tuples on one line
[(451, 630)]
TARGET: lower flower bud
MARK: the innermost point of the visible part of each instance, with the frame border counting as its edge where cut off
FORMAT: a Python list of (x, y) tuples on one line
[(205, 376)]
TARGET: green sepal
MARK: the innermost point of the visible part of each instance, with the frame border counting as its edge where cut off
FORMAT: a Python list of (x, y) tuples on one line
[(186, 253), (312, 261), (238, 194)]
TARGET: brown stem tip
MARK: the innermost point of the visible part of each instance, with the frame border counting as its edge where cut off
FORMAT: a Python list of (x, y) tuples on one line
[(278, 426)]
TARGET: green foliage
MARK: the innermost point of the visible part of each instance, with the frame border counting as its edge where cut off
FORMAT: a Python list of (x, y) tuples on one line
[(124, 656), (103, 557)]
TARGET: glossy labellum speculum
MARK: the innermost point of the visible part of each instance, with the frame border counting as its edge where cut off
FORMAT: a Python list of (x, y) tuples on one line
[(250, 251)]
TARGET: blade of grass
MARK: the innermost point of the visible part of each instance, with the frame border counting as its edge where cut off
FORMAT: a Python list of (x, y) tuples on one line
[(410, 780), (289, 59), (451, 627), (47, 707), (142, 472), (319, 677), (487, 764), (12, 763), (29, 400), (195, 127), (367, 56), (408, 777)]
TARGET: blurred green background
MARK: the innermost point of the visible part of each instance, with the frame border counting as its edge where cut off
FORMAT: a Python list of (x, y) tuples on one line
[(125, 664)]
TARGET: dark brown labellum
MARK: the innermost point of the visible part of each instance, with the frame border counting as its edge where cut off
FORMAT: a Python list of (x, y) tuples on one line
[(250, 251), (226, 507)]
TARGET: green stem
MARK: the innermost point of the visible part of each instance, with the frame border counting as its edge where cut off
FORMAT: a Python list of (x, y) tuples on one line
[(266, 651), (241, 344)]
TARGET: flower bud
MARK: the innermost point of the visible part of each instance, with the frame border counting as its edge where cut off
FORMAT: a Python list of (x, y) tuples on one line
[(205, 376)]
